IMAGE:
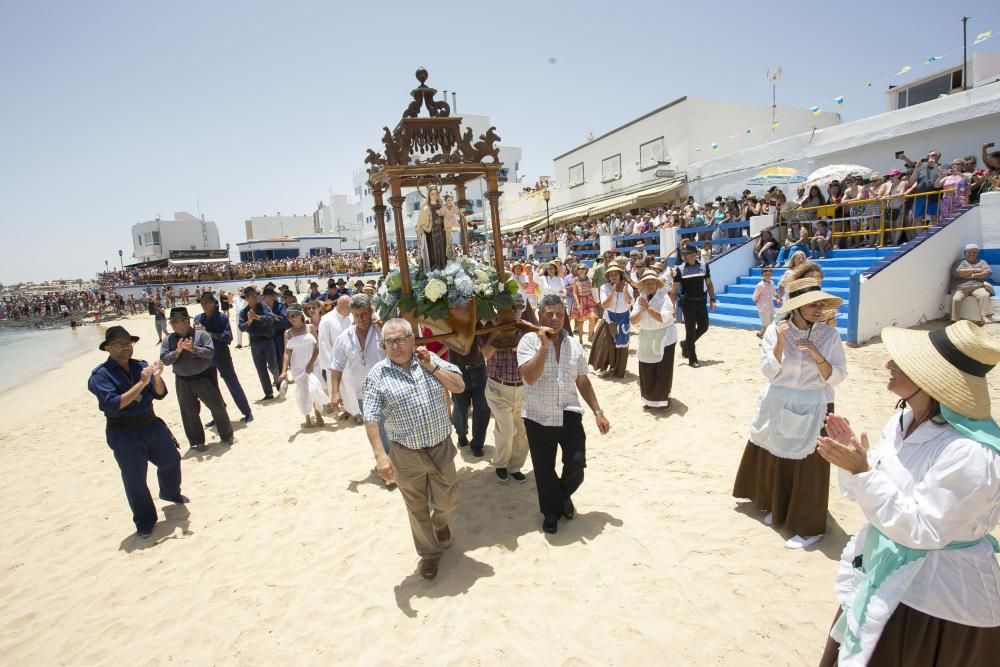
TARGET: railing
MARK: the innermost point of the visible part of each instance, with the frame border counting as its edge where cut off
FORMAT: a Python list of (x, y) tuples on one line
[(878, 222)]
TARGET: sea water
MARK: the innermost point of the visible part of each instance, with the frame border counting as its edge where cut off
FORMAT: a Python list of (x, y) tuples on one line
[(26, 354)]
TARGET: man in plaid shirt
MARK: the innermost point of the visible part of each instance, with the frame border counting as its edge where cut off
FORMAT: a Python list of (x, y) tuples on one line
[(407, 391)]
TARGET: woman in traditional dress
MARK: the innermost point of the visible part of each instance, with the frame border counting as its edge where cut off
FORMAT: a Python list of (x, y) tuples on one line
[(584, 306), (430, 225), (803, 360), (301, 352), (609, 352), (919, 584), (797, 258), (550, 281), (654, 313)]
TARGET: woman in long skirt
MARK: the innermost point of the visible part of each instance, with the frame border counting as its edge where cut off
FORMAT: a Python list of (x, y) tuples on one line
[(919, 584), (301, 352), (584, 306), (803, 359), (653, 312), (609, 352)]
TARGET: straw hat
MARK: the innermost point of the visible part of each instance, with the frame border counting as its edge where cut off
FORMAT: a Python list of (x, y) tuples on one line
[(613, 268), (805, 291), (649, 274), (950, 364)]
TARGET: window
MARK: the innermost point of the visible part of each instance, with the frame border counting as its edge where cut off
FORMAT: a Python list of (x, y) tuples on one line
[(611, 168), (650, 154), (929, 90), (156, 238), (576, 175)]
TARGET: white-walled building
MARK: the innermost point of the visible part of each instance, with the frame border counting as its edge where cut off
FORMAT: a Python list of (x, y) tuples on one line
[(982, 69), (287, 247), (510, 157), (271, 226), (153, 240)]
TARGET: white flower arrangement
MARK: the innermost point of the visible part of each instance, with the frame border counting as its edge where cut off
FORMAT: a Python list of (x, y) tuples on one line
[(435, 289)]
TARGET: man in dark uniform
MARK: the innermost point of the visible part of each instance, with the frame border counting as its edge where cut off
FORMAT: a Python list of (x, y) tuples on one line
[(217, 326), (693, 279), (342, 289), (473, 369), (313, 294), (331, 293), (258, 321), (190, 352), (125, 389), (280, 322)]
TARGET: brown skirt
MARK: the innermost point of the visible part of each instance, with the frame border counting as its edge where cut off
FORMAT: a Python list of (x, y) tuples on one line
[(912, 638), (794, 491), (656, 380), (603, 353)]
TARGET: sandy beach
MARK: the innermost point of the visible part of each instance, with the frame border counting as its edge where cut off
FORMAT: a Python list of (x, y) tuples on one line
[(291, 553)]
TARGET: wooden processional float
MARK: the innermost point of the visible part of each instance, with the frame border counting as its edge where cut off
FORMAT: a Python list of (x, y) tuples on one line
[(450, 295)]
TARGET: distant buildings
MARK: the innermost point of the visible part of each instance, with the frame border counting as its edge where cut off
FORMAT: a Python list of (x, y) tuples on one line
[(155, 240)]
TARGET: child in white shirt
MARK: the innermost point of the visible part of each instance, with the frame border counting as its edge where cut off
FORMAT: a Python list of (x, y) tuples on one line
[(763, 298)]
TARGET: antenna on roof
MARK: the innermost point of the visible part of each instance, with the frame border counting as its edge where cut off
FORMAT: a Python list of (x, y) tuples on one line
[(773, 75)]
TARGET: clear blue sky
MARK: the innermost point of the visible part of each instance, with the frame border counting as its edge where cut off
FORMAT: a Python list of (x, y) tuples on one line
[(114, 112)]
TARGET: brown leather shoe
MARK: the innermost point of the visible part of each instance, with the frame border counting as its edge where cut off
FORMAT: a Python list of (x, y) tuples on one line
[(428, 568), (443, 537)]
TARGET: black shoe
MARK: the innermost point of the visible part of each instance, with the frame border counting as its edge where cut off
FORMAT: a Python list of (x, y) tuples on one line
[(569, 511), (200, 448), (210, 424), (501, 474), (247, 419), (695, 364), (518, 477), (550, 524), (463, 441), (268, 397), (477, 452), (180, 499), (684, 349), (144, 534)]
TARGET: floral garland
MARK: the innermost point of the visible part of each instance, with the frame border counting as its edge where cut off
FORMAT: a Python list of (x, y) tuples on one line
[(436, 292)]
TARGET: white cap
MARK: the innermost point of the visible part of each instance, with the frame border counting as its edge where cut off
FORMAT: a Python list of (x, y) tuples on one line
[(972, 246)]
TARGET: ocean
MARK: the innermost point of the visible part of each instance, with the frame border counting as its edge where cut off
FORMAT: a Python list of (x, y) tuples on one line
[(28, 353)]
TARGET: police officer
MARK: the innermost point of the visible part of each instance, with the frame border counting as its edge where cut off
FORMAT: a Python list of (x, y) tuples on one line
[(125, 389), (190, 352), (258, 321), (280, 322), (693, 279), (217, 326)]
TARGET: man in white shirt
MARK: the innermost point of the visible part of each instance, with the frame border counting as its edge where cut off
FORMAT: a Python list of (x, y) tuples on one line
[(331, 326), (357, 350)]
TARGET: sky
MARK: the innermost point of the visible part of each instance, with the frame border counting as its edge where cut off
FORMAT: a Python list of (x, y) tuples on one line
[(114, 112)]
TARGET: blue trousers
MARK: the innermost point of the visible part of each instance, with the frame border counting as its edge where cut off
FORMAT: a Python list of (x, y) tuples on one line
[(223, 364), (474, 396), (264, 359), (134, 450)]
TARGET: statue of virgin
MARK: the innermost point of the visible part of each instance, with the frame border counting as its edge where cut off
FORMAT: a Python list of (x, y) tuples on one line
[(433, 241)]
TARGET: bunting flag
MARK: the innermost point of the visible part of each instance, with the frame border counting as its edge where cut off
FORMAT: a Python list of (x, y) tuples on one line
[(983, 36), (839, 101), (932, 59), (715, 147), (903, 70), (868, 84), (749, 130), (815, 110)]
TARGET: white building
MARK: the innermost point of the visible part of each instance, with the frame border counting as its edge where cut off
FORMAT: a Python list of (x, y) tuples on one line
[(154, 239), (340, 218), (288, 247), (271, 226), (510, 156), (982, 68)]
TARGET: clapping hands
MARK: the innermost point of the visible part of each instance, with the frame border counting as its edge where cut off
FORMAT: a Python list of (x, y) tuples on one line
[(840, 447)]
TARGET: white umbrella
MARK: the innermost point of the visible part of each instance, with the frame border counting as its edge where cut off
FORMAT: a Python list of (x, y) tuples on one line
[(839, 172)]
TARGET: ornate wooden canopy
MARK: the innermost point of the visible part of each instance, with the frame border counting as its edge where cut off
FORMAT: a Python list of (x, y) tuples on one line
[(432, 149)]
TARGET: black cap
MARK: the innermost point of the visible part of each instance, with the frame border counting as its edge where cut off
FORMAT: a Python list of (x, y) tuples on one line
[(179, 311), (269, 291), (287, 293), (689, 250), (249, 289), (113, 333), (331, 283), (341, 281), (207, 296)]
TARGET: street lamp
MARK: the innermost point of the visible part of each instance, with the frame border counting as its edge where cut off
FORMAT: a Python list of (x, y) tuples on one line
[(106, 268), (545, 195), (121, 260)]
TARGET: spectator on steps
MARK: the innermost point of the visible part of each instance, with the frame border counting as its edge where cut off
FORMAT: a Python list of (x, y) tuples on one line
[(971, 277)]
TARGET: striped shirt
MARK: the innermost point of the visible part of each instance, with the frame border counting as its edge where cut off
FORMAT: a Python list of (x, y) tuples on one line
[(555, 389), (412, 402)]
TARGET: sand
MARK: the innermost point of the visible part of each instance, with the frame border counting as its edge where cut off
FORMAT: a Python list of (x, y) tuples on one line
[(291, 553)]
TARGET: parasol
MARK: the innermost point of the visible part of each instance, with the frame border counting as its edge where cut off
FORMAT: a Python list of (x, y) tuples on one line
[(777, 176), (839, 172)]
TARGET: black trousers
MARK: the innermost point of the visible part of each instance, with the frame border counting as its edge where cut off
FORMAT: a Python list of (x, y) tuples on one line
[(279, 349), (191, 393), (223, 365), (134, 450), (264, 359), (542, 443), (695, 324), (474, 396)]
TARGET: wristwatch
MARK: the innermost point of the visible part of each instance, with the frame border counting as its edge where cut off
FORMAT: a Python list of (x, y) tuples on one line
[(598, 413)]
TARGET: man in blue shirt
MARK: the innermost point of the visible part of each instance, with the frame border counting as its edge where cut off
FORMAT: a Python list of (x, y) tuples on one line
[(280, 322), (125, 389), (217, 326), (258, 321)]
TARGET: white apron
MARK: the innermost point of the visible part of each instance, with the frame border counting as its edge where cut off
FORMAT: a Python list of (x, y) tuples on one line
[(788, 421)]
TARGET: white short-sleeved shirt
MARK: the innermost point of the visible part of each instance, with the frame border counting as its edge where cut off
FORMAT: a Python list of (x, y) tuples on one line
[(555, 389)]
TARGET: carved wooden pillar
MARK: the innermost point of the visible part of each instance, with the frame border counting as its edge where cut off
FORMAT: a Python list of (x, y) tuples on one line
[(493, 195), (463, 225), (383, 241), (396, 200)]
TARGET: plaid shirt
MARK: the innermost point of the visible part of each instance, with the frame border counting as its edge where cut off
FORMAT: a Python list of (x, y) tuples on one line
[(555, 389), (411, 403), (503, 364)]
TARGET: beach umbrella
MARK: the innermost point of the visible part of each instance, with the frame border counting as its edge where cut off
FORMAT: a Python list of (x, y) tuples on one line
[(777, 176), (839, 172)]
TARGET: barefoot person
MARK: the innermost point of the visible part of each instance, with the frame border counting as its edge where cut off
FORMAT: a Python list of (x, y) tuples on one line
[(803, 360), (299, 364), (554, 369), (653, 312), (125, 389), (407, 391), (919, 584)]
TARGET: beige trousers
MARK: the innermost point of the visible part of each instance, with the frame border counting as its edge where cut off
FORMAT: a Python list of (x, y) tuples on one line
[(510, 441), (425, 488), (979, 294)]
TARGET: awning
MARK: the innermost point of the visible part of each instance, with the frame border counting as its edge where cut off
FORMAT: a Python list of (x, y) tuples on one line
[(183, 262), (643, 197), (521, 224), (658, 193)]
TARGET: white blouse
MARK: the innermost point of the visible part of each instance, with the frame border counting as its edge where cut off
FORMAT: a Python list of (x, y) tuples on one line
[(925, 491), (797, 368), (551, 285), (618, 304), (661, 303)]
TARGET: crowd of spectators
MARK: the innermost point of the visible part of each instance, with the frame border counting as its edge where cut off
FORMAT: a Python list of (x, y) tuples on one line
[(25, 305)]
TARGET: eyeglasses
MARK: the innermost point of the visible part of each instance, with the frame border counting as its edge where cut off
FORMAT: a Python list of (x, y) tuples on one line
[(396, 342)]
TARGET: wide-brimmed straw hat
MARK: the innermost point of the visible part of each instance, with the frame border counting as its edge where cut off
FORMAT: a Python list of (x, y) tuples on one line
[(613, 268), (805, 291), (949, 364), (649, 274)]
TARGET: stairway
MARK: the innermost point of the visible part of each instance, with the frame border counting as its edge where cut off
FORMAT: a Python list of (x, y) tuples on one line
[(735, 307)]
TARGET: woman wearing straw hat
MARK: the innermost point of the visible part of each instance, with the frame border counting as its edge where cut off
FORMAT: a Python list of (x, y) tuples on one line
[(654, 313), (609, 351), (919, 584), (803, 359)]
